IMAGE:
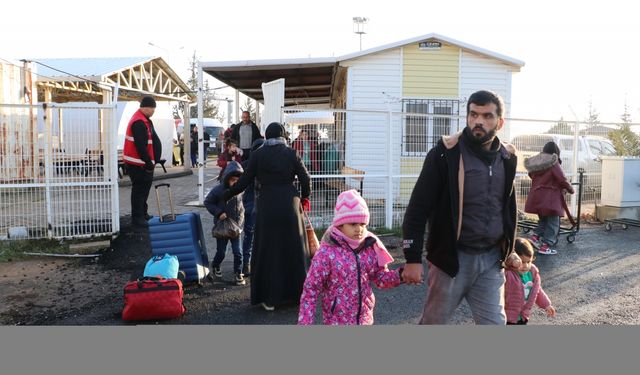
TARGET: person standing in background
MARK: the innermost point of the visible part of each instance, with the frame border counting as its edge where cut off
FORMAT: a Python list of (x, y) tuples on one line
[(245, 132)]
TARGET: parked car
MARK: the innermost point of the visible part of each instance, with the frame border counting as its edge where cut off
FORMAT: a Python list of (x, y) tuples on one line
[(590, 148)]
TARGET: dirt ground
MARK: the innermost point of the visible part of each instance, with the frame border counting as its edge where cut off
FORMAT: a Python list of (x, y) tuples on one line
[(592, 281), (45, 290)]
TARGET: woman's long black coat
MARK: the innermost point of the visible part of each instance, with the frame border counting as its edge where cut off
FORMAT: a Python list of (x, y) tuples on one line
[(280, 255)]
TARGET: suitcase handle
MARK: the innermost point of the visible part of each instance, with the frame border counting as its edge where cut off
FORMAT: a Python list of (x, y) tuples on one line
[(173, 211), (156, 280)]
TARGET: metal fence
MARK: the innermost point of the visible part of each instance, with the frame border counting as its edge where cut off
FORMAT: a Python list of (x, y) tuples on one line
[(58, 171), (581, 144), (381, 154)]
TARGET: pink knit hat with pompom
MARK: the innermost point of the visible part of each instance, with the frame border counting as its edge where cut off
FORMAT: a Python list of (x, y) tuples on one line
[(350, 208)]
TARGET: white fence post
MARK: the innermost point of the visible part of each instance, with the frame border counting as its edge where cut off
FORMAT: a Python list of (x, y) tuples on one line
[(388, 205)]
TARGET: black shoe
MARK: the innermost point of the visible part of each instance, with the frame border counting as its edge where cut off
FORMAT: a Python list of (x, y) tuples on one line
[(267, 307), (139, 222), (147, 217), (246, 271), (217, 272), (182, 276)]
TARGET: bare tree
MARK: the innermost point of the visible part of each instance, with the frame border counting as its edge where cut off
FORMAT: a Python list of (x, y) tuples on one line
[(561, 127), (248, 106), (210, 106), (625, 141)]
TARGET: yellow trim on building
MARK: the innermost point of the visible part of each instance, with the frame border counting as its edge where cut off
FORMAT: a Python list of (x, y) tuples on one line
[(430, 73), (409, 165)]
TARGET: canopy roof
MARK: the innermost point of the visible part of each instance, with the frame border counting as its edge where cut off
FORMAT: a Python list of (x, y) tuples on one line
[(83, 79)]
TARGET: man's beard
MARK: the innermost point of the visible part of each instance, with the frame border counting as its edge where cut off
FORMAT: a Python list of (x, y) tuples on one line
[(487, 137)]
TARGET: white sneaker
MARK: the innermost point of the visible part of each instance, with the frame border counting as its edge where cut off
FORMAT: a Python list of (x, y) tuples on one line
[(240, 279), (267, 307)]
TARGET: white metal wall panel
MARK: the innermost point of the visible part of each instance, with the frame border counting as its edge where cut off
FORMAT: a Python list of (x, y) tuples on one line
[(481, 73), (273, 102), (374, 83)]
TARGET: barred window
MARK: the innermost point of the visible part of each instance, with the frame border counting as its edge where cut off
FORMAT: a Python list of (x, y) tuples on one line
[(421, 130)]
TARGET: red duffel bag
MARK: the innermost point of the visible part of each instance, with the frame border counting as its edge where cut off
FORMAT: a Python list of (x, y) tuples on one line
[(153, 298)]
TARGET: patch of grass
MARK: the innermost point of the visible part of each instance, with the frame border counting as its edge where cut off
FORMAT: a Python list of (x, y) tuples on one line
[(13, 250), (388, 232)]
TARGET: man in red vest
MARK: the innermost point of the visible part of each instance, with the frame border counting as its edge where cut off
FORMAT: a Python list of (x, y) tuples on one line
[(142, 149)]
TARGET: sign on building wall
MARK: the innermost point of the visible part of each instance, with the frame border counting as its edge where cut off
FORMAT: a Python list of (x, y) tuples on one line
[(429, 45)]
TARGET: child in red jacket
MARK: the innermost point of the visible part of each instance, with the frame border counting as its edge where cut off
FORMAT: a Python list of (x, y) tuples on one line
[(230, 151), (523, 287), (546, 197)]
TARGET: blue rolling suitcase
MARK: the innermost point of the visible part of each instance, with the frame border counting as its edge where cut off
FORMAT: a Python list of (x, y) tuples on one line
[(182, 236)]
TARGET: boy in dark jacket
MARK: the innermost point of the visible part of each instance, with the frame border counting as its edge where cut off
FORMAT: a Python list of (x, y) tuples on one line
[(232, 209), (248, 201)]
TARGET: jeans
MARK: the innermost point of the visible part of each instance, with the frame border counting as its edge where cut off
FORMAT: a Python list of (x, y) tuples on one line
[(221, 250), (247, 240), (141, 181), (480, 280), (548, 228)]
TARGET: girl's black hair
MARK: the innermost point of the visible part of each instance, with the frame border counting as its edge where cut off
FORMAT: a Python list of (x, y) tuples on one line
[(523, 247), (552, 148)]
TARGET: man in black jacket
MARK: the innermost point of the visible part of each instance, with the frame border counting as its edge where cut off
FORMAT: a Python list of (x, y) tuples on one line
[(465, 192), (245, 132)]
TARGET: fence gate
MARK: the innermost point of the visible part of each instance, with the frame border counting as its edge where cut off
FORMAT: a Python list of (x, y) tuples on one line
[(58, 171)]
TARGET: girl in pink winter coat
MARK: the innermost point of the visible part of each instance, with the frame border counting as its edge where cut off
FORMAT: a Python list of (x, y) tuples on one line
[(523, 288), (340, 273)]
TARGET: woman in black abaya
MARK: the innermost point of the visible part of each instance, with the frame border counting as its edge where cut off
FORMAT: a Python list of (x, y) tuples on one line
[(280, 255)]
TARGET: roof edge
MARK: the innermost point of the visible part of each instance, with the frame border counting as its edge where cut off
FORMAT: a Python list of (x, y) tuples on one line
[(506, 59)]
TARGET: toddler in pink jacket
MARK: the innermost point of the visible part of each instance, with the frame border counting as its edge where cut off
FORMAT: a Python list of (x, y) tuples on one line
[(348, 259), (523, 288)]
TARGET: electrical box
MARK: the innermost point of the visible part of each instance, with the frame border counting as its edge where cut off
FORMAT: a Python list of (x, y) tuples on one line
[(620, 181)]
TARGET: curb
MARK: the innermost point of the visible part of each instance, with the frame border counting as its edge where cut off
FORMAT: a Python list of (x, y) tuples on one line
[(163, 176)]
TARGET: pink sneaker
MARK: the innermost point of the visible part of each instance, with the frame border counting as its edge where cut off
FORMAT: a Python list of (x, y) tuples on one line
[(535, 241), (547, 250)]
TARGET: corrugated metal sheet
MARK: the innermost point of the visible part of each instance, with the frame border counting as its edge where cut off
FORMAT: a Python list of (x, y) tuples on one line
[(86, 66)]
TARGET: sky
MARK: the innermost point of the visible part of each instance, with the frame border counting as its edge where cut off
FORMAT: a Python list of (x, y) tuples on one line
[(575, 52)]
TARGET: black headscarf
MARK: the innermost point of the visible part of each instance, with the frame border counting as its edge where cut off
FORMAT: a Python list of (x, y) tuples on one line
[(274, 130)]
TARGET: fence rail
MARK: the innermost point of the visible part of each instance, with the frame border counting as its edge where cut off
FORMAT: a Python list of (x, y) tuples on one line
[(389, 149), (58, 174)]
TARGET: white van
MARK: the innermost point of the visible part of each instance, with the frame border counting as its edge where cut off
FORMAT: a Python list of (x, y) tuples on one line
[(590, 149), (214, 128)]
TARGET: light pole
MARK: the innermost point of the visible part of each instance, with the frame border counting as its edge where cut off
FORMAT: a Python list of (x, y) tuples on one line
[(167, 51), (358, 27)]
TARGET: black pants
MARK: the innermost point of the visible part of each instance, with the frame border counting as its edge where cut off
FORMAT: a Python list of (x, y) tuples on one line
[(141, 180)]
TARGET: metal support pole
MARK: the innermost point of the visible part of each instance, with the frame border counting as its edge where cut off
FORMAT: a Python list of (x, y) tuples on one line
[(113, 164), (388, 204), (574, 167), (237, 111), (186, 136), (48, 161), (200, 137)]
